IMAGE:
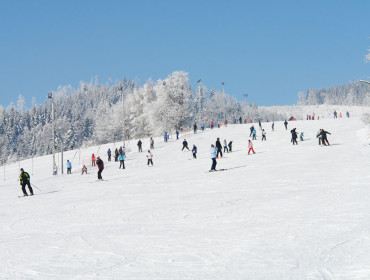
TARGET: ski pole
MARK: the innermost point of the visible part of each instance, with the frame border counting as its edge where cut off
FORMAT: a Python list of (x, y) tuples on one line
[(36, 187)]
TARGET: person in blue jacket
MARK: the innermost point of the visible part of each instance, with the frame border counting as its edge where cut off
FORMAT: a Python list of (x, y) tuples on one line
[(194, 150), (69, 167), (121, 158), (213, 154), (177, 134), (165, 136), (109, 152), (254, 132)]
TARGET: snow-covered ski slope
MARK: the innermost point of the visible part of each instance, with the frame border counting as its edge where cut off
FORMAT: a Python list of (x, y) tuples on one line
[(287, 212)]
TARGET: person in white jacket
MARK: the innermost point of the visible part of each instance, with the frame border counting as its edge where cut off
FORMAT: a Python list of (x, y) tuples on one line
[(213, 154), (150, 157)]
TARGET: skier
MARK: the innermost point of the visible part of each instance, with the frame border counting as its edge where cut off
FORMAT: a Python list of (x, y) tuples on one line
[(69, 167), (100, 165), (116, 154), (24, 179), (324, 140), (240, 120), (139, 145), (219, 147), (195, 128), (165, 136), (263, 135), (294, 136), (313, 116), (273, 126), (121, 161), (250, 146), (318, 136), (109, 154), (93, 160), (185, 145), (218, 124), (194, 150), (335, 114), (251, 129), (213, 153), (254, 134), (150, 157), (340, 115), (347, 114), (84, 170), (212, 124), (301, 136), (151, 143), (286, 125), (177, 134), (202, 126), (225, 146), (230, 146)]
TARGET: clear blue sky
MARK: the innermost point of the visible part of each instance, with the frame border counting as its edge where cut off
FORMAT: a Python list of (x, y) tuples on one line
[(268, 49)]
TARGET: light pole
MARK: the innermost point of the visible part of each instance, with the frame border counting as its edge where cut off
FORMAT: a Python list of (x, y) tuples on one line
[(199, 103), (50, 96), (223, 93), (245, 105), (123, 116)]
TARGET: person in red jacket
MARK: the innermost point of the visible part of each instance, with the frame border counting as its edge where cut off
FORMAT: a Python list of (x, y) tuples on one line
[(100, 165), (93, 160), (250, 146)]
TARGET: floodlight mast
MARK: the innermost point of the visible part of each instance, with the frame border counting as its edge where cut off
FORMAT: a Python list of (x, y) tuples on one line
[(50, 96)]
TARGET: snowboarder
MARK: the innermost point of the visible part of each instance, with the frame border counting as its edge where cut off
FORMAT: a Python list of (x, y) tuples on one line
[(213, 153), (139, 145), (185, 145), (230, 146), (254, 134), (84, 170), (225, 146), (69, 167), (286, 124), (294, 136), (93, 160), (116, 154), (219, 147), (194, 151), (301, 136), (100, 165), (177, 134), (109, 154), (250, 146), (24, 179), (121, 161), (195, 128), (263, 135), (151, 143), (150, 157)]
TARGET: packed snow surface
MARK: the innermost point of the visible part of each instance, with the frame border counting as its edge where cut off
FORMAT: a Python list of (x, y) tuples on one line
[(287, 212)]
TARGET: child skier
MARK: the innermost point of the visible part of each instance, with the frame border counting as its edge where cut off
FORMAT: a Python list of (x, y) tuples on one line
[(250, 146)]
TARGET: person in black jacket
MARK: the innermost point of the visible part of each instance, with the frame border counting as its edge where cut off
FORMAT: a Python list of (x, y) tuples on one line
[(294, 136), (219, 147), (185, 145), (139, 144), (324, 138), (100, 165), (286, 125), (24, 179), (251, 129)]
